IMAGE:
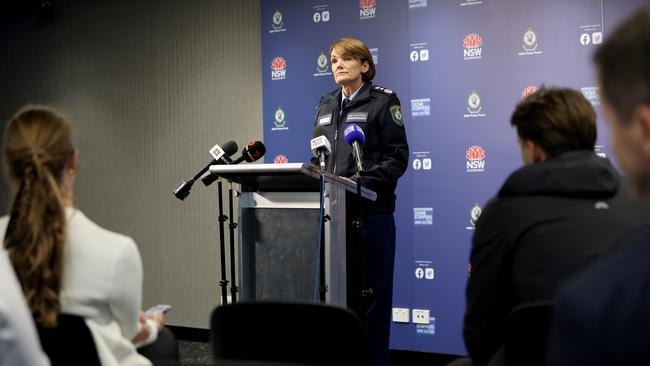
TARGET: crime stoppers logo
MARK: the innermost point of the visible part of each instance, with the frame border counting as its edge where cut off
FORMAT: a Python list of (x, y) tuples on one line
[(592, 94), (472, 44), (367, 9), (278, 68), (475, 156), (423, 216), (529, 90), (474, 105), (414, 4), (420, 107)]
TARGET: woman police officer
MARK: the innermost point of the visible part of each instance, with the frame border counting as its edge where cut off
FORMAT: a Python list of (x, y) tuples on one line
[(385, 157)]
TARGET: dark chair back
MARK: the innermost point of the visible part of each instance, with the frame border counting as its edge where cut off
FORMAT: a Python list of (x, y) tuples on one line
[(310, 334), (527, 334), (69, 343)]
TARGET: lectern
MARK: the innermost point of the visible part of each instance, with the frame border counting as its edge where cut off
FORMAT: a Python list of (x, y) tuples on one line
[(278, 219)]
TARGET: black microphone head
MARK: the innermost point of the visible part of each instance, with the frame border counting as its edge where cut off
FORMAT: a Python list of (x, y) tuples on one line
[(253, 151), (230, 148), (319, 131)]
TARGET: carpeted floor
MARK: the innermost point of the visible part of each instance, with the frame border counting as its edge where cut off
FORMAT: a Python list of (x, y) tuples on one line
[(195, 353), (200, 354)]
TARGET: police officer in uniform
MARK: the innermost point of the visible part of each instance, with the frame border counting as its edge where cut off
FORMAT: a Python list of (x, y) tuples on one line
[(385, 157)]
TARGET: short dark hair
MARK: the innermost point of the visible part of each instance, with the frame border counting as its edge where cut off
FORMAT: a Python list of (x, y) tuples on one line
[(557, 119), (623, 63), (356, 49)]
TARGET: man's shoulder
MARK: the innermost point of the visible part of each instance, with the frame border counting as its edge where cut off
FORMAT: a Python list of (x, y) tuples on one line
[(620, 274)]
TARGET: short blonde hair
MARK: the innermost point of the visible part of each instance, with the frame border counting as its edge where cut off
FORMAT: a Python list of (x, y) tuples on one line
[(356, 49)]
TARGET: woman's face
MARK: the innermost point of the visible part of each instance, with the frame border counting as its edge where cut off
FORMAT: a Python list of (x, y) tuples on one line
[(347, 70)]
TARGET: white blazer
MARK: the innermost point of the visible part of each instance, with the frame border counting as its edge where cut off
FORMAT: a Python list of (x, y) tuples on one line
[(102, 282)]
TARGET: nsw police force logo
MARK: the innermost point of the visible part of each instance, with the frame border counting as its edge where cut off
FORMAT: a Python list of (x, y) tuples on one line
[(277, 22), (474, 214), (280, 120), (474, 105), (322, 65), (530, 44)]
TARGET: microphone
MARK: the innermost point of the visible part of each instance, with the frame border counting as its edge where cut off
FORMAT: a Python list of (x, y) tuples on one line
[(251, 152), (221, 155), (355, 137), (320, 146)]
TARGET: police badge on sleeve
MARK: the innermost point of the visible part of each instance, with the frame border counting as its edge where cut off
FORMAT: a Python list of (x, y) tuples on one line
[(396, 113)]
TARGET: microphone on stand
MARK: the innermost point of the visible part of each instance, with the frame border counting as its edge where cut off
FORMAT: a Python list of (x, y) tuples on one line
[(221, 155), (320, 146), (355, 137), (250, 153)]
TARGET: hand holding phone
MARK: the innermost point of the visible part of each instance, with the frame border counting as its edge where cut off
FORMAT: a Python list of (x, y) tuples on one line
[(160, 308)]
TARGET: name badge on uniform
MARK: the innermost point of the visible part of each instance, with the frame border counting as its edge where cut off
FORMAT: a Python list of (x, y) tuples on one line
[(325, 120), (357, 117)]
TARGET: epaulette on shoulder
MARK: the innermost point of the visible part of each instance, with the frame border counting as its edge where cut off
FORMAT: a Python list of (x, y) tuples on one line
[(381, 89)]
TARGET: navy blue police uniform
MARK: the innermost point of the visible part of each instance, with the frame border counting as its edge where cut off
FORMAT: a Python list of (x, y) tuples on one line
[(385, 157)]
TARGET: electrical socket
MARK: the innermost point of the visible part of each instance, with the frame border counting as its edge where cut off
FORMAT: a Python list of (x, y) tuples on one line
[(420, 316), (400, 315)]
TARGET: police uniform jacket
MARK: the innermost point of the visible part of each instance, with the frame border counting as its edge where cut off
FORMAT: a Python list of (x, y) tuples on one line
[(385, 152)]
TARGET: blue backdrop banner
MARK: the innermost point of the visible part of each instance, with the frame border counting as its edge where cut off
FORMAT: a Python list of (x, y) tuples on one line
[(459, 67)]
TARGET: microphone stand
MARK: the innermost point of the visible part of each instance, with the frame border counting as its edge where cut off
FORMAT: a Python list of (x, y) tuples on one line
[(366, 291), (222, 247), (320, 269), (233, 288)]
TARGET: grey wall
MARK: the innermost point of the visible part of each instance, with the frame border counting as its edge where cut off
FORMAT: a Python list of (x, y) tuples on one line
[(151, 86)]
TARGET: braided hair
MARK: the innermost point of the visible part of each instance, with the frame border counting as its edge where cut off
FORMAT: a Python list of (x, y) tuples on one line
[(38, 146)]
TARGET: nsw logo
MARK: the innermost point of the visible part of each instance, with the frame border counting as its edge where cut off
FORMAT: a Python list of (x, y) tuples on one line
[(529, 90), (475, 156), (277, 22), (367, 9), (472, 44), (278, 68), (280, 159)]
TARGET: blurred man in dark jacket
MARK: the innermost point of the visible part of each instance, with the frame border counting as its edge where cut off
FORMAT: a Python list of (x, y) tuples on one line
[(602, 317), (550, 219)]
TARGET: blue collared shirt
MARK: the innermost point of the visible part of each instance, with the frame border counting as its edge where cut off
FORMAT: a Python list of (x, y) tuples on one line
[(353, 94)]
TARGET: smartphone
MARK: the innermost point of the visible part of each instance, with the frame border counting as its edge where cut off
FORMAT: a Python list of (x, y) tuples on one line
[(160, 307)]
